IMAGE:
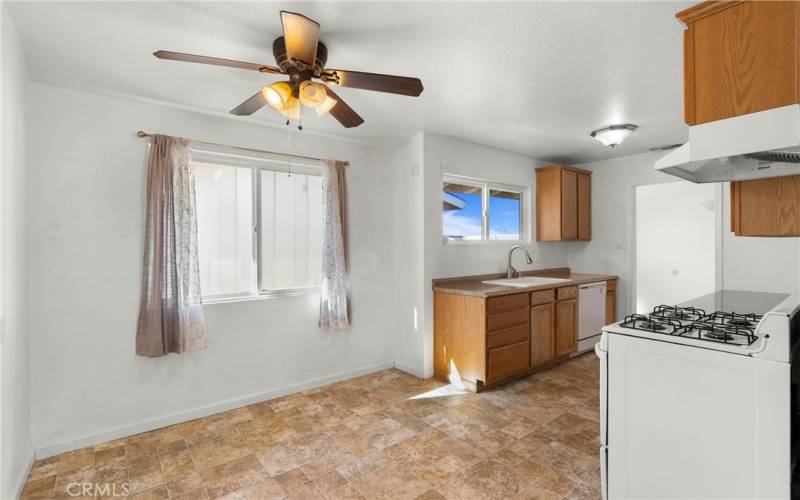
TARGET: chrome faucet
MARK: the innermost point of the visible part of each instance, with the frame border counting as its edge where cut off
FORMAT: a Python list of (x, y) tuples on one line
[(510, 271)]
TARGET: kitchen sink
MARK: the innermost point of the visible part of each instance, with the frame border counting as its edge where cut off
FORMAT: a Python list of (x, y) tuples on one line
[(526, 281)]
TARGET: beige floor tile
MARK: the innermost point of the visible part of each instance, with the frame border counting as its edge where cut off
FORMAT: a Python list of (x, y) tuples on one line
[(365, 438)]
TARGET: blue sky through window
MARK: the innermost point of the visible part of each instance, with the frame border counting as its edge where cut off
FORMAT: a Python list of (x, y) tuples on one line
[(464, 223), (504, 216), (462, 209)]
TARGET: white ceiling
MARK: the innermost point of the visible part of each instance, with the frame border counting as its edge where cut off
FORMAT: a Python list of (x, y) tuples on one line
[(534, 78)]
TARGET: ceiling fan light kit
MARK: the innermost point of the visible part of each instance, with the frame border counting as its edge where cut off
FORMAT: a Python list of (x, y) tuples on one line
[(613, 135), (302, 57)]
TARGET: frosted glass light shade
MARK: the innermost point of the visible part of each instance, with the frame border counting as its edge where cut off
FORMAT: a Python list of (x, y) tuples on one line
[(277, 94), (327, 104), (614, 135), (291, 109), (312, 94)]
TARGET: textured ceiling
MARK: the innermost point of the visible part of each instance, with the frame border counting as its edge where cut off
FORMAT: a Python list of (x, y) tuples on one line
[(533, 78)]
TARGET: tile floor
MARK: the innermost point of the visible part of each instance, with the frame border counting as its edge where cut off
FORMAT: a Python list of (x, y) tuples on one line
[(387, 435)]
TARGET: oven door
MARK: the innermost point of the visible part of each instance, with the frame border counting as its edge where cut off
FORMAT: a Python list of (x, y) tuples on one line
[(688, 422)]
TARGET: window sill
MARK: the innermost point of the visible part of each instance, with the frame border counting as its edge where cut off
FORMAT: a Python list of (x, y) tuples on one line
[(264, 295), (488, 242)]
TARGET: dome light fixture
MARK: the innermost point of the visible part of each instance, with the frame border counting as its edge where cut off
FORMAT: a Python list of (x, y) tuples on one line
[(613, 135)]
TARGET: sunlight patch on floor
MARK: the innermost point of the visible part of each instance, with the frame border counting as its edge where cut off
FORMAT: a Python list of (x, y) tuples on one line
[(454, 388)]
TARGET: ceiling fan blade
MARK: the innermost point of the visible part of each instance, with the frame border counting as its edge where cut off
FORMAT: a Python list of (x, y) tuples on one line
[(403, 85), (344, 113), (301, 36), (251, 105), (216, 61)]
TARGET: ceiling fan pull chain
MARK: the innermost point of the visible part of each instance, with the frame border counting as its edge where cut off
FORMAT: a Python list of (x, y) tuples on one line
[(289, 128)]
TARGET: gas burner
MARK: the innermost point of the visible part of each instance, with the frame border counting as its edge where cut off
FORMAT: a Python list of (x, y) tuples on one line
[(677, 313), (650, 324), (725, 337)]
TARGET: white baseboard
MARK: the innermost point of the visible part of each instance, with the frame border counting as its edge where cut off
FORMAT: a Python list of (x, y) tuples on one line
[(49, 450), (26, 471), (405, 367)]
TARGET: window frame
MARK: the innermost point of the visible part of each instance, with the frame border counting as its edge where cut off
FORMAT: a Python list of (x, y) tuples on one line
[(256, 164), (486, 186)]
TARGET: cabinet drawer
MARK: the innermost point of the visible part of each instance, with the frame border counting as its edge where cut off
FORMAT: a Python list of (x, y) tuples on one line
[(506, 303), (508, 361), (513, 335), (567, 292), (543, 297), (508, 319)]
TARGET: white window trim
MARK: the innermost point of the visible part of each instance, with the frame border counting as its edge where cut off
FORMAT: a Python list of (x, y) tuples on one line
[(256, 164), (485, 185)]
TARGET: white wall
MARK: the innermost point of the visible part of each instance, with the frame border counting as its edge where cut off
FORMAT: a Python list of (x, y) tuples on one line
[(86, 226), (409, 284), (15, 441), (676, 243), (760, 264)]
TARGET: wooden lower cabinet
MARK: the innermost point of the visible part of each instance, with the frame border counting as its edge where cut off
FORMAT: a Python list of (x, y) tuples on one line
[(543, 328), (491, 340), (566, 327), (505, 362)]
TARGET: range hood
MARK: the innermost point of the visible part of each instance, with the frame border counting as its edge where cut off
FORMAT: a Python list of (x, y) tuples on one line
[(752, 146)]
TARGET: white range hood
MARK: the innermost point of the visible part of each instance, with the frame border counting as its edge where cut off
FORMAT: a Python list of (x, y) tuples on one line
[(752, 146)]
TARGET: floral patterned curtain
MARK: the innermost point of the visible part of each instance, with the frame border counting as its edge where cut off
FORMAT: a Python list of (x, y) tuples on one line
[(334, 309), (171, 312)]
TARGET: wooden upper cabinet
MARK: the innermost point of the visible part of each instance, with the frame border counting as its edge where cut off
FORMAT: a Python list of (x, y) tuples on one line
[(766, 207), (563, 203), (584, 207), (740, 57)]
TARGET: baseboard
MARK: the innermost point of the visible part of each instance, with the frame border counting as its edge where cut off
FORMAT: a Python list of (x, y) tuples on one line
[(405, 367), (203, 411), (26, 471)]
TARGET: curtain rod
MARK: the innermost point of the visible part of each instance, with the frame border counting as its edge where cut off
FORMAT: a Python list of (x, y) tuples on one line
[(141, 133)]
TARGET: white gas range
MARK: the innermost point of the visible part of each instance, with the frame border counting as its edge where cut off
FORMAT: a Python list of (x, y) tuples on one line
[(696, 399)]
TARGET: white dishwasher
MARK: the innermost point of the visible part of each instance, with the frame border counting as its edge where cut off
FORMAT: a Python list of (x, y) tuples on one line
[(591, 314)]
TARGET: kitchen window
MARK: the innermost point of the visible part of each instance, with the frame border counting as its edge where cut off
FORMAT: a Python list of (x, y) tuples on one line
[(259, 226), (480, 211)]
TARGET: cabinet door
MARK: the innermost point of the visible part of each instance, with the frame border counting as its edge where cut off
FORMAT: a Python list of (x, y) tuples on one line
[(766, 207), (740, 57), (543, 320), (584, 207), (508, 361), (566, 327), (611, 306), (569, 205)]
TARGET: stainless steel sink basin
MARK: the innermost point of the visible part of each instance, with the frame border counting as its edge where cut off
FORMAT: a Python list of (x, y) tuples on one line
[(526, 281)]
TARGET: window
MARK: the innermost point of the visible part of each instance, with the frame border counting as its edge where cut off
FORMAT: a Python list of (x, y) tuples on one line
[(475, 211), (259, 226)]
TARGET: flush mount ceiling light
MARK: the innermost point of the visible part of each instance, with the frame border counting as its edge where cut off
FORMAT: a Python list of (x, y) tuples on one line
[(614, 135)]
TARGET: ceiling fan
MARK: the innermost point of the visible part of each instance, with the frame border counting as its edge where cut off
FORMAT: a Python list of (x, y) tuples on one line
[(302, 57)]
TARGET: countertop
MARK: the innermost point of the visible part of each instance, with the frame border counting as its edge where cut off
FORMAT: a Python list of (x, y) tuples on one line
[(472, 285)]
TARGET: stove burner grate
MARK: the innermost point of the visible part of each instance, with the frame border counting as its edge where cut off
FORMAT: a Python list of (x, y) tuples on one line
[(732, 319), (677, 313), (722, 333)]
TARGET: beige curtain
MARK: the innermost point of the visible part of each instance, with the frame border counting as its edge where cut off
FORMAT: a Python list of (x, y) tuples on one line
[(170, 312), (334, 308)]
